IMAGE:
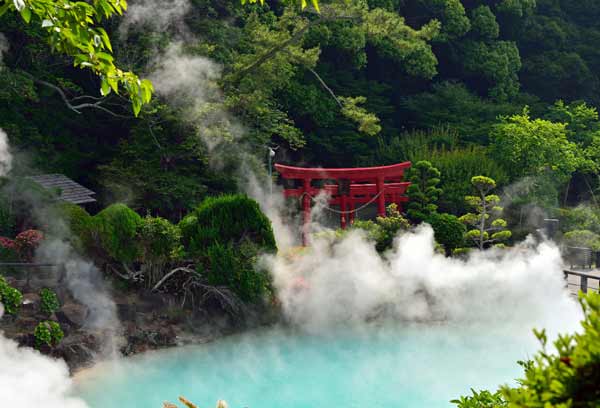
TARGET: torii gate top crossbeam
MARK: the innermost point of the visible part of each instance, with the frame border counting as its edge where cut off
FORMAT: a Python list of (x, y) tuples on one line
[(354, 174)]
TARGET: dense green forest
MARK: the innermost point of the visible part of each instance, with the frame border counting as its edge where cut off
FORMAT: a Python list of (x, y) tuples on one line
[(503, 88)]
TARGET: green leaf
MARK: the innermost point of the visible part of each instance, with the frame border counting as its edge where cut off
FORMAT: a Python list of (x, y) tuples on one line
[(26, 14), (104, 87)]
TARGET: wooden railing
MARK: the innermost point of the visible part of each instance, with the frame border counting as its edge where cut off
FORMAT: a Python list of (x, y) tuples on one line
[(29, 266), (584, 280)]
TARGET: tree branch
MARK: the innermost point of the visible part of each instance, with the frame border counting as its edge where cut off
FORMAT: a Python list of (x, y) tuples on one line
[(77, 107), (327, 88)]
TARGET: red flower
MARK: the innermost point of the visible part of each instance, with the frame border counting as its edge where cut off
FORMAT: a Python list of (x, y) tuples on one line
[(7, 243), (27, 242)]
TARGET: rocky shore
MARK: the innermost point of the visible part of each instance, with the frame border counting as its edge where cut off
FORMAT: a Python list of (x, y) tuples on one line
[(148, 321)]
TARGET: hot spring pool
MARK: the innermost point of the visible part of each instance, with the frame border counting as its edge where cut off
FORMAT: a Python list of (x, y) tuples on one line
[(420, 366)]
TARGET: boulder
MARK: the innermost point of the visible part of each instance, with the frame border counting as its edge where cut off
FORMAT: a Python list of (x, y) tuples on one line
[(73, 314), (31, 302)]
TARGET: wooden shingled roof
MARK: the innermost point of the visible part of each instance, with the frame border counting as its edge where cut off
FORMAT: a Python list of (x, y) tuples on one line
[(68, 190)]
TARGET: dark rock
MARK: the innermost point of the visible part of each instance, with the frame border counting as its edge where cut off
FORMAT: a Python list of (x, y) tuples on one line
[(78, 350), (127, 311), (73, 314), (31, 302)]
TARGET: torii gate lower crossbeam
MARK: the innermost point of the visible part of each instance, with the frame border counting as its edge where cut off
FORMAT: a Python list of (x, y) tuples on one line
[(346, 188)]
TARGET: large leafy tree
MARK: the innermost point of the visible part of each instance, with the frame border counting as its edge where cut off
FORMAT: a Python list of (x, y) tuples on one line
[(527, 146)]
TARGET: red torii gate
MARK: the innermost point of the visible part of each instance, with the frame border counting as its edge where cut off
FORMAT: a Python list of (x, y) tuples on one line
[(361, 185)]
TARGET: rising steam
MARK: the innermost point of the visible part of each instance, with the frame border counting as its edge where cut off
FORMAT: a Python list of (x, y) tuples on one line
[(28, 379), (347, 281), (6, 158), (157, 15)]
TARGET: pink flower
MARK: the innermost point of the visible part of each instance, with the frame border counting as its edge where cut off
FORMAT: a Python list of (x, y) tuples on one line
[(7, 243), (27, 242)]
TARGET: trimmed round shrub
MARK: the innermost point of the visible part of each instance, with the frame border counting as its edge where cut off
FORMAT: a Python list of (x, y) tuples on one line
[(49, 301), (448, 231), (227, 219), (48, 333), (80, 224), (582, 238), (117, 227), (10, 297), (160, 240)]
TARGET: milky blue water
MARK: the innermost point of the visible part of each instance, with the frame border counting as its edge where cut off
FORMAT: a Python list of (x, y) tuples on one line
[(420, 366)]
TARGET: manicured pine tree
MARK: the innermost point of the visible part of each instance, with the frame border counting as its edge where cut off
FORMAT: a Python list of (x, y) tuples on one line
[(485, 225), (423, 192)]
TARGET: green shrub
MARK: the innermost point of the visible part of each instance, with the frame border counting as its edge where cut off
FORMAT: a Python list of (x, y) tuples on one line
[(187, 227), (117, 227), (49, 301), (236, 268), (579, 218), (582, 238), (80, 224), (160, 240), (227, 234), (10, 297), (384, 229), (483, 399), (448, 231), (567, 376), (8, 220), (227, 219), (49, 333)]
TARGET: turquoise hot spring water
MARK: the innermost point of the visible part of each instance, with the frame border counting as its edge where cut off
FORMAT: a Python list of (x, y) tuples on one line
[(373, 366)]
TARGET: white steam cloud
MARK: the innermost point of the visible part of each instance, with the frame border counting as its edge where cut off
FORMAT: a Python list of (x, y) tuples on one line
[(85, 282), (158, 15), (28, 379), (6, 158), (184, 79), (347, 281)]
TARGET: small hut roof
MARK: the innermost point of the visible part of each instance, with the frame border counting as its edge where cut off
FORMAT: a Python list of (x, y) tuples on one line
[(69, 190)]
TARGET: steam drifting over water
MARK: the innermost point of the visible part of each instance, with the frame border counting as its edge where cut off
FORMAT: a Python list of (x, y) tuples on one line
[(348, 281), (29, 379)]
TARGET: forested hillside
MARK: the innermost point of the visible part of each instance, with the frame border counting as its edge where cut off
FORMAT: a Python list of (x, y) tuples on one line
[(502, 88)]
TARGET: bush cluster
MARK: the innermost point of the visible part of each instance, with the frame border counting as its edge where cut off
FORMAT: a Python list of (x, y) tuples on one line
[(224, 235), (383, 230), (582, 238), (448, 231), (48, 333), (26, 243), (49, 301), (564, 377), (117, 230), (10, 297)]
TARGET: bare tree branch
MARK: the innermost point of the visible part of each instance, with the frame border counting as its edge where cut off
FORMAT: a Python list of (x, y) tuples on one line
[(70, 102)]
